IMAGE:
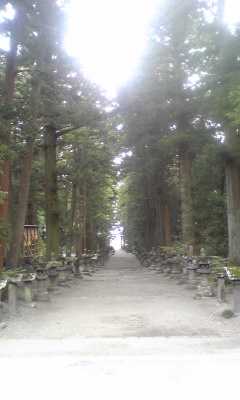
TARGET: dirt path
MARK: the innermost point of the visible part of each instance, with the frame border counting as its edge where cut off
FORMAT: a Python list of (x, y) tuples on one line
[(122, 331)]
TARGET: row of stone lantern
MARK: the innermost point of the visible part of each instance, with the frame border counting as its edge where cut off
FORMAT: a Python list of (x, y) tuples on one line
[(47, 278), (194, 273)]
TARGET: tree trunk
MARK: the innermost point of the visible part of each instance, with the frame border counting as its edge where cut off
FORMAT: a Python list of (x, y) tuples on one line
[(165, 213), (232, 168), (18, 227), (10, 77), (167, 225), (72, 217), (185, 192), (51, 194), (17, 236)]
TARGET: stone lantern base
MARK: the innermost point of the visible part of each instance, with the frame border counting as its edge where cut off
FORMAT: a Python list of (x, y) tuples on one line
[(204, 292)]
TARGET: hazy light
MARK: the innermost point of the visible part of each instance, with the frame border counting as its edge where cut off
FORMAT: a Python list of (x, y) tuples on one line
[(108, 37), (232, 11)]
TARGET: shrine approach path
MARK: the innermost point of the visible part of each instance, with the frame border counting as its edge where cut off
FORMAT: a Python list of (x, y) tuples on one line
[(124, 332)]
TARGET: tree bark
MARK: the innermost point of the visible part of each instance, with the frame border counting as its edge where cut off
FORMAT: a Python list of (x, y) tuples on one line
[(185, 192), (23, 195), (10, 77), (72, 217), (232, 170), (51, 194), (18, 228), (232, 164)]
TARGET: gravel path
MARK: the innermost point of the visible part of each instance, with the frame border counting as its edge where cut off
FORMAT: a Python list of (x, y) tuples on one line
[(121, 331)]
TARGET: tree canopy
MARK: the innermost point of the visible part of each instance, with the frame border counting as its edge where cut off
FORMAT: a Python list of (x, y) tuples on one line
[(174, 126)]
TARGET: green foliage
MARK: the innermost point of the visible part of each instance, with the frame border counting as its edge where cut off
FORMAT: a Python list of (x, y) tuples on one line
[(12, 273), (162, 110), (2, 196), (234, 101), (209, 202), (4, 231)]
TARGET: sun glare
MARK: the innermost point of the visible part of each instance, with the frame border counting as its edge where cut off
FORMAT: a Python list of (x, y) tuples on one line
[(232, 11), (108, 37)]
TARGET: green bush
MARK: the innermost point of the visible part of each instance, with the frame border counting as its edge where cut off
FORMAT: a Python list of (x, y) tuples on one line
[(227, 314)]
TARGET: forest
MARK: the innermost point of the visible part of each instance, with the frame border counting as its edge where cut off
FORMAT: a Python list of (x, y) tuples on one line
[(174, 126)]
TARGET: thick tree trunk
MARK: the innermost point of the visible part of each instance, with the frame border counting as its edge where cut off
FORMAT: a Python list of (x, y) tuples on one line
[(165, 213), (185, 192), (17, 236), (10, 77), (81, 242), (51, 194), (18, 227), (167, 225), (232, 164), (232, 168), (72, 217)]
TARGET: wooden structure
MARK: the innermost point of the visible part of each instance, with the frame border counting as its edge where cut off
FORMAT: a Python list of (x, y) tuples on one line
[(30, 241)]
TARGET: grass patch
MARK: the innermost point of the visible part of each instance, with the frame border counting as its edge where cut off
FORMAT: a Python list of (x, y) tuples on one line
[(227, 314)]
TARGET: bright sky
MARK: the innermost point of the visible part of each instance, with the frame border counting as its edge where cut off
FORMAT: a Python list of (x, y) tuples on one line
[(108, 36)]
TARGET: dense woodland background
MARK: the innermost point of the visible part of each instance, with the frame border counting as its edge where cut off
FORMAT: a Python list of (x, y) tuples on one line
[(175, 125)]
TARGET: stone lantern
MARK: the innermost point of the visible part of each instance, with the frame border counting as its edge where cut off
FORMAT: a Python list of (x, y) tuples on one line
[(85, 270), (145, 260), (99, 259), (234, 275), (90, 263), (41, 293), (184, 272), (27, 279), (159, 265), (3, 285), (62, 280), (204, 289), (168, 264), (77, 272), (153, 257), (69, 268), (95, 262), (191, 266), (175, 273), (52, 268)]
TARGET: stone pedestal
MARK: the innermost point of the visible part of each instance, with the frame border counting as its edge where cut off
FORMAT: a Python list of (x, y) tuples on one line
[(184, 272), (236, 295), (91, 265), (145, 261), (192, 282), (3, 284), (1, 310), (77, 272), (159, 265), (27, 279), (175, 272), (204, 289), (69, 272), (53, 276), (41, 293), (61, 280), (221, 289), (28, 292), (152, 265), (12, 298), (85, 270), (95, 262), (168, 265)]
